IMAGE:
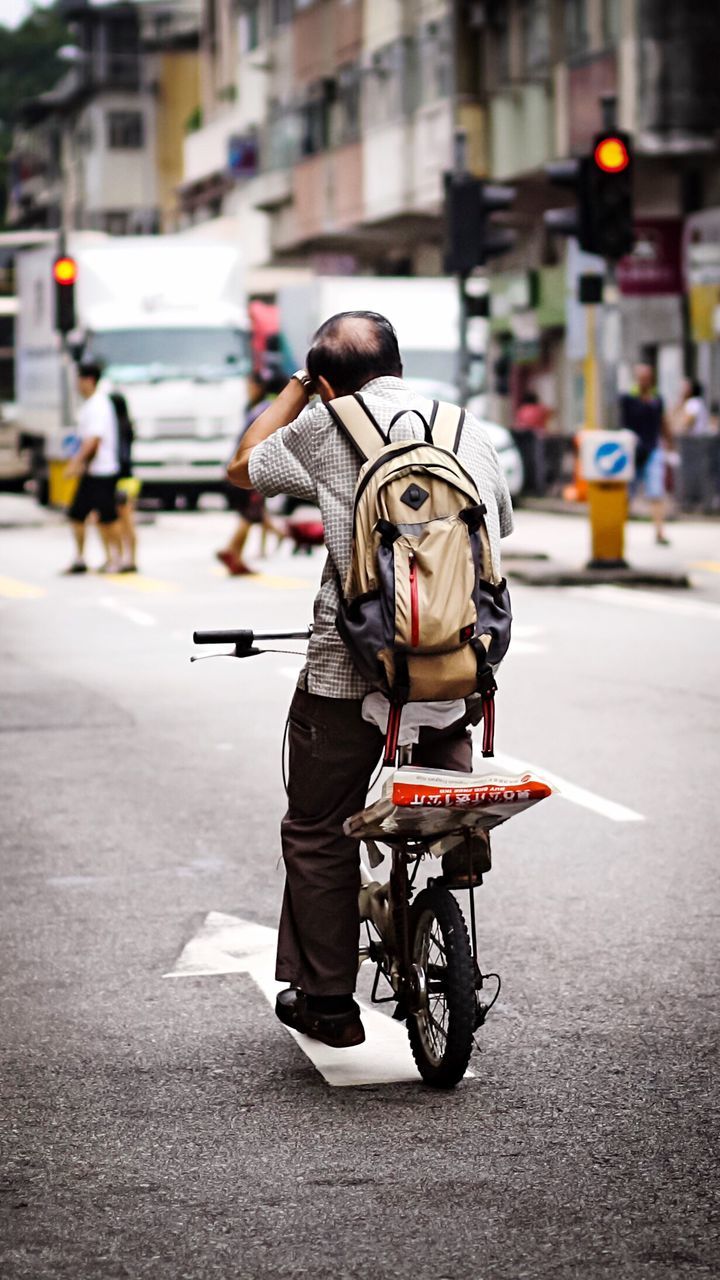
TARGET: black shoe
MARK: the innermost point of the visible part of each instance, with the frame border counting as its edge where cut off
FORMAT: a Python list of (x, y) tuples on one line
[(459, 870), (338, 1030), (78, 567)]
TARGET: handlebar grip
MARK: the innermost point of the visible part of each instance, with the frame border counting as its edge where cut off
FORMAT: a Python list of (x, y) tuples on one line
[(243, 639)]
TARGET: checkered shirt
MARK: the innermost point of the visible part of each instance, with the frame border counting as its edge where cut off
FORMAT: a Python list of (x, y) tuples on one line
[(311, 459)]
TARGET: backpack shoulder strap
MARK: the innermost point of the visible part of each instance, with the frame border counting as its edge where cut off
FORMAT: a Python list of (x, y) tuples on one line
[(355, 420), (446, 423)]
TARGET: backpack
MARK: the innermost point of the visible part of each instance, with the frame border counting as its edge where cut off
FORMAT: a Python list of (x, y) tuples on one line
[(422, 613), (126, 435)]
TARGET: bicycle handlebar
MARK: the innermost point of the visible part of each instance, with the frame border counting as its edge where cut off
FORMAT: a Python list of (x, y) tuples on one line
[(246, 639)]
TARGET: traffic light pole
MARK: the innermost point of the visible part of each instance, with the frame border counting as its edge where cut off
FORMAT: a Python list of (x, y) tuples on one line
[(463, 376), (65, 398)]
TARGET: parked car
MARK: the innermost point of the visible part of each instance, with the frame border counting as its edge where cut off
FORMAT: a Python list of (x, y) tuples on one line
[(507, 450)]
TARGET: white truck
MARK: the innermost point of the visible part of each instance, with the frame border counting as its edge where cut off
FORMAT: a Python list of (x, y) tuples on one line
[(167, 320), (423, 309)]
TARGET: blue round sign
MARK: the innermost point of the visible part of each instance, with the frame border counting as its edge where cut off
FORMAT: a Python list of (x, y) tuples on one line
[(611, 458)]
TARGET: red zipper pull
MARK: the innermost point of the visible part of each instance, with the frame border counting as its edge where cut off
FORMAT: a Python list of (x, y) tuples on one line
[(414, 603)]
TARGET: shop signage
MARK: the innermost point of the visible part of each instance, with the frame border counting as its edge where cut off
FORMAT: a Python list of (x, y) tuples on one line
[(655, 265)]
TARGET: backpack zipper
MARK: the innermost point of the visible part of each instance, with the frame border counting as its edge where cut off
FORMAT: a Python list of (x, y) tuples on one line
[(414, 603)]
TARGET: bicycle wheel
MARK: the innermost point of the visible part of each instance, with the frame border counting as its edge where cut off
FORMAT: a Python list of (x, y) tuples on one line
[(441, 1033)]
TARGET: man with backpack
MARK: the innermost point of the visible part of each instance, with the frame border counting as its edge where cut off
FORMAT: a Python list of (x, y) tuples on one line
[(438, 565)]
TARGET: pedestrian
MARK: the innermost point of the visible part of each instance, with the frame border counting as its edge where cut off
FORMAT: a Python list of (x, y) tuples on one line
[(531, 414), (96, 466), (692, 416), (250, 504), (295, 447), (127, 489), (642, 411)]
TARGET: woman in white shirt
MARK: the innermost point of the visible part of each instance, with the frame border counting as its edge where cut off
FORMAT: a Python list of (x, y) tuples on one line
[(692, 415)]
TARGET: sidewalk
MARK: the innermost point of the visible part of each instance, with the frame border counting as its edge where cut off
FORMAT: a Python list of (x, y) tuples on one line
[(553, 504), (20, 510), (548, 550)]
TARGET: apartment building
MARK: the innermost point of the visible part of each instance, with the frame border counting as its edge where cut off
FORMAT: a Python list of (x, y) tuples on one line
[(343, 113), (103, 150)]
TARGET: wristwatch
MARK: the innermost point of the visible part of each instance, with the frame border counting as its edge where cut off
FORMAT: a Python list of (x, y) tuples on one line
[(303, 377)]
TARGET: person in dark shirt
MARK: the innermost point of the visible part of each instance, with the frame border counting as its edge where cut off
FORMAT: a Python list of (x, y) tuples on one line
[(642, 411)]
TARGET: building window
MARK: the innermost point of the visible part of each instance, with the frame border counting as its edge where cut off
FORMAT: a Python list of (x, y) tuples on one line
[(281, 137), (500, 46), (115, 224), (346, 112), (535, 19), (610, 21), (315, 118), (250, 27), (576, 26), (435, 78), (282, 12), (125, 130), (121, 39), (388, 84)]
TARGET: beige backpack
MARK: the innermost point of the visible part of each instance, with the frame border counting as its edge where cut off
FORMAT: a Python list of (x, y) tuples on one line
[(423, 615)]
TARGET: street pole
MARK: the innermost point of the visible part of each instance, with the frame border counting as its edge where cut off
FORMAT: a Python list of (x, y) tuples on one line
[(463, 365), (65, 400)]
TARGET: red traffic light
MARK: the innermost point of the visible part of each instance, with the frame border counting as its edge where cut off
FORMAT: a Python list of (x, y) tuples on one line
[(65, 270), (611, 155)]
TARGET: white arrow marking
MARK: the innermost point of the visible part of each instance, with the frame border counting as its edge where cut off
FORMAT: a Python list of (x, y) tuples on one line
[(227, 944)]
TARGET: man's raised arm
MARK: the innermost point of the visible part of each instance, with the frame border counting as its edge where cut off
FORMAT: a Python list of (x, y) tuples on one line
[(279, 413)]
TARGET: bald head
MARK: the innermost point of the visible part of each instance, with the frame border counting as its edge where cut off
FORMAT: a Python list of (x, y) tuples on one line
[(351, 349)]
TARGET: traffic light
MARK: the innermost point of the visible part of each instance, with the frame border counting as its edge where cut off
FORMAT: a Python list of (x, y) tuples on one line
[(602, 219), (64, 275), (470, 236), (612, 194)]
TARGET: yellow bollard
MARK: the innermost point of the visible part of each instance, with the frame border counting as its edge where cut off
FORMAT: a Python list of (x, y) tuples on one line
[(608, 502), (61, 486)]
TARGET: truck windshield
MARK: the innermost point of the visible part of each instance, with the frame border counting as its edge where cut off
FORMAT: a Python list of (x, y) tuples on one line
[(142, 355)]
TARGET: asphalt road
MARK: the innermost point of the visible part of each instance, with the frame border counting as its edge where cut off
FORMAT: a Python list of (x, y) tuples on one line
[(172, 1128)]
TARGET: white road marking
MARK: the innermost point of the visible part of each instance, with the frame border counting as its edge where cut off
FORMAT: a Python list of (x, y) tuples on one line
[(228, 944), (576, 795), (127, 611), (629, 598)]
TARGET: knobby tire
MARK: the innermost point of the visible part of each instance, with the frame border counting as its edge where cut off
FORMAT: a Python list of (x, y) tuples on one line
[(442, 1059)]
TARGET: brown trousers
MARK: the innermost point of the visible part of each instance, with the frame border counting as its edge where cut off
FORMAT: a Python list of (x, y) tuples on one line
[(333, 753)]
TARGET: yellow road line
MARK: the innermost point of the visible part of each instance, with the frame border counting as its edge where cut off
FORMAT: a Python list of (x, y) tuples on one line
[(710, 566), (139, 583), (267, 580), (12, 589)]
